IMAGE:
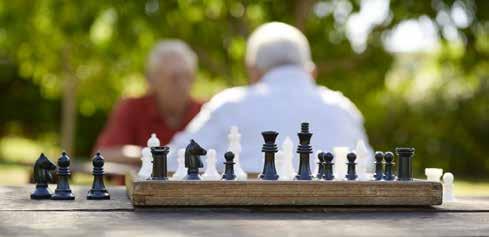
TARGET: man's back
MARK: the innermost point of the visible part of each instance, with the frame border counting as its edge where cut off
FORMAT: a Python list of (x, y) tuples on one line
[(285, 97)]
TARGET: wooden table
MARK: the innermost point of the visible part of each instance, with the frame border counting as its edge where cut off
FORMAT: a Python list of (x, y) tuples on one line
[(116, 217)]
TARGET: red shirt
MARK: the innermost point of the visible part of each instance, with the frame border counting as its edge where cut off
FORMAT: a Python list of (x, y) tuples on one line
[(134, 119)]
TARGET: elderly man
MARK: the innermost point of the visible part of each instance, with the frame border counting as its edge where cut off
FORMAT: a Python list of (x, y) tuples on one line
[(282, 94), (166, 109)]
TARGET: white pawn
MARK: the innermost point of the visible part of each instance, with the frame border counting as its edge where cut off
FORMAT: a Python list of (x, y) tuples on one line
[(448, 195), (288, 156), (433, 174), (362, 161), (234, 139), (153, 141), (211, 171), (147, 164), (181, 171), (340, 161)]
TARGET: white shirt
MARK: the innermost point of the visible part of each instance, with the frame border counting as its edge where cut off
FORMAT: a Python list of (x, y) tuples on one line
[(284, 98)]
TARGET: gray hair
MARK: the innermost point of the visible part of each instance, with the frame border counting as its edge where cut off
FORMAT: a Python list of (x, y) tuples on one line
[(275, 44), (170, 48)]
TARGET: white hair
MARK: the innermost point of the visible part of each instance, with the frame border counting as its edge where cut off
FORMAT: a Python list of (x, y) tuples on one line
[(170, 48), (276, 44)]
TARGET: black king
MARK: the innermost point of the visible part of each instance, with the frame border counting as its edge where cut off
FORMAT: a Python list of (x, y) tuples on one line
[(304, 149)]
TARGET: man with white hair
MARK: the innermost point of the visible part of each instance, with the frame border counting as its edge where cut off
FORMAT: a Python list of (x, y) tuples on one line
[(282, 94), (166, 108)]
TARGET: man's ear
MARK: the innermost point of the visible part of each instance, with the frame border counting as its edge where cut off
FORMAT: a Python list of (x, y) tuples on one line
[(313, 71), (254, 74)]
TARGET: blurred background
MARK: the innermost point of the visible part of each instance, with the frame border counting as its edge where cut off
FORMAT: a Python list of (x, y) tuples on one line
[(418, 70)]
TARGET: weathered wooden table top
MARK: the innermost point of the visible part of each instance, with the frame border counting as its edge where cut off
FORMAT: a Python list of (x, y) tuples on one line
[(20, 216)]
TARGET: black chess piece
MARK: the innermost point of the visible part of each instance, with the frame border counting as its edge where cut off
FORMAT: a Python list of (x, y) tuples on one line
[(229, 167), (304, 149), (351, 173), (405, 166), (320, 173), (63, 190), (328, 166), (98, 190), (193, 161), (269, 148), (42, 176), (160, 170), (379, 169), (389, 163)]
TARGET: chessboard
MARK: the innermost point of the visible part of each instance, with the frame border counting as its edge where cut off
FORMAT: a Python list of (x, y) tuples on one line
[(282, 193)]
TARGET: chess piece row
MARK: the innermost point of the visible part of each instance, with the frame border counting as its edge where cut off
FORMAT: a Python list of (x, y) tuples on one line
[(42, 176), (434, 174)]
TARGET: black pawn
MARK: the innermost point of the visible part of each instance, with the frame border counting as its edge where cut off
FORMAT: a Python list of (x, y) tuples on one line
[(42, 176), (98, 191), (320, 173), (160, 171), (405, 166), (328, 166), (351, 173), (63, 191), (389, 163), (270, 148), (379, 169), (304, 150), (229, 167)]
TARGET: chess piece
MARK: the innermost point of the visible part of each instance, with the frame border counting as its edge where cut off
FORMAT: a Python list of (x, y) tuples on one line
[(340, 159), (234, 138), (389, 163), (153, 141), (328, 166), (147, 163), (98, 190), (160, 169), (63, 191), (269, 148), (42, 176), (315, 166), (320, 173), (280, 165), (351, 174), (448, 195), (288, 159), (405, 167), (304, 149), (211, 171), (193, 161), (181, 171), (433, 174), (363, 157), (229, 167), (379, 171)]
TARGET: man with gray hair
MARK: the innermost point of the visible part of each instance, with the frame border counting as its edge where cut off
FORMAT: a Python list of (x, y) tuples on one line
[(166, 108), (282, 94)]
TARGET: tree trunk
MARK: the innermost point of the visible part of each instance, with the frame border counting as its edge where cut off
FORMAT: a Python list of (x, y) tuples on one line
[(302, 10), (68, 113)]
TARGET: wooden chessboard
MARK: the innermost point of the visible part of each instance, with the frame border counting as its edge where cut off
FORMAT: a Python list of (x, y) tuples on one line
[(282, 193)]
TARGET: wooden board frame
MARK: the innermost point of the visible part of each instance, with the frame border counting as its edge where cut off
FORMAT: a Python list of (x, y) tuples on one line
[(282, 193)]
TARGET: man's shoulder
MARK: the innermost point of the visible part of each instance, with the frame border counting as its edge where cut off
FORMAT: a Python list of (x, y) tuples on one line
[(337, 99)]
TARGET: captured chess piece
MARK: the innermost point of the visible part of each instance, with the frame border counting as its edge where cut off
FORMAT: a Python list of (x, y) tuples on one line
[(304, 149), (433, 174), (405, 163), (351, 173), (328, 166), (448, 195), (211, 171), (63, 190), (269, 148), (320, 173), (389, 163), (42, 176), (379, 169), (193, 161), (98, 190), (160, 170), (229, 167)]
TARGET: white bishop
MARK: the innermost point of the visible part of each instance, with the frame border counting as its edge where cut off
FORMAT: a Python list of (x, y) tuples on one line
[(147, 157)]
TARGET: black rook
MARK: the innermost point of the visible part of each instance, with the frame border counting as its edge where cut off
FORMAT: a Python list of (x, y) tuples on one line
[(405, 167), (159, 162)]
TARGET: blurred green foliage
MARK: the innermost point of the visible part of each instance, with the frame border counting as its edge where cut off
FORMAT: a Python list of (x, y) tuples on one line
[(437, 102)]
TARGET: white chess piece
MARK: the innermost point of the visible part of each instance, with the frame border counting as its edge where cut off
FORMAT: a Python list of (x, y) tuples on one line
[(433, 174), (147, 164), (181, 171), (362, 161), (147, 157), (288, 157), (234, 139), (211, 171), (314, 163), (340, 161), (280, 165), (448, 195)]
